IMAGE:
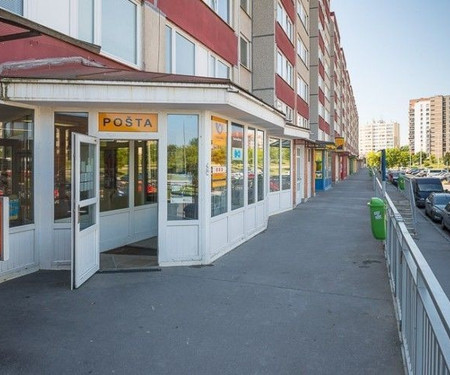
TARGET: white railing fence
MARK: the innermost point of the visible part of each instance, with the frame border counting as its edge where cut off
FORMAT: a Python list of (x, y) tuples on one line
[(422, 308)]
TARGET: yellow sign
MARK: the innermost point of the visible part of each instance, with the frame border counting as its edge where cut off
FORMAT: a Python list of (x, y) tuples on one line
[(339, 142), (128, 122)]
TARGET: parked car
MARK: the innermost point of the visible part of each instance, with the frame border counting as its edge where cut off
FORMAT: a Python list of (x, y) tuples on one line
[(446, 217), (423, 187), (434, 204)]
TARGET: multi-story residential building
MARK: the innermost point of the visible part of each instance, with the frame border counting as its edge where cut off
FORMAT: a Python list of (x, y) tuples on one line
[(429, 125), (378, 135), (198, 120)]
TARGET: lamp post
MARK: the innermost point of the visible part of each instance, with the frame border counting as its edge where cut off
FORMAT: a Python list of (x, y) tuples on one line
[(383, 172)]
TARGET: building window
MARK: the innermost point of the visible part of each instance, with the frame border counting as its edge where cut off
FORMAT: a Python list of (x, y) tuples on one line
[(217, 68), (302, 89), (285, 165), (245, 53), (302, 122), (302, 14), (274, 149), (219, 161), (251, 161), (260, 163), (14, 6), (86, 20), (284, 21), (302, 51), (245, 5), (145, 172), (168, 49), (66, 123), (114, 175), (180, 53), (284, 68), (221, 7), (182, 167), (119, 29), (16, 163), (237, 166)]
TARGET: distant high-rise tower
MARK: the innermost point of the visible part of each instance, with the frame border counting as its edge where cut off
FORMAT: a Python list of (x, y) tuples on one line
[(378, 135)]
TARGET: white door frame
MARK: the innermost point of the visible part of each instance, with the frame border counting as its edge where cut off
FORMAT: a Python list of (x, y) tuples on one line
[(300, 174)]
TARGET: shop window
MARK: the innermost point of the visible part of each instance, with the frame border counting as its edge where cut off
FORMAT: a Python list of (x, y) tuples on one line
[(14, 6), (260, 164), (319, 165), (66, 123), (237, 166), (251, 135), (285, 165), (182, 167), (274, 147), (114, 175), (219, 158), (16, 163), (146, 172)]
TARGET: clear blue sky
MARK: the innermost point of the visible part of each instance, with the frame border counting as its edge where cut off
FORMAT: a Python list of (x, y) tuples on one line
[(395, 50)]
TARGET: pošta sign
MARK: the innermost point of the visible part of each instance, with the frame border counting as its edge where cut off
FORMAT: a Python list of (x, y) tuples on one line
[(128, 122)]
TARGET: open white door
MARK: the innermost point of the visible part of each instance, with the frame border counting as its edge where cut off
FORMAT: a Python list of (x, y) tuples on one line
[(300, 171), (85, 208)]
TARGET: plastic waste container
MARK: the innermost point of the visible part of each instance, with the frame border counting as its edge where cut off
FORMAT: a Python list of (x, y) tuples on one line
[(401, 182), (377, 218)]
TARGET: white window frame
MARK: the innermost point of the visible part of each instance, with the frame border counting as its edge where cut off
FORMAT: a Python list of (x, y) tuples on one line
[(302, 89), (302, 14), (284, 21), (246, 8), (302, 51), (217, 60), (285, 69), (248, 57), (173, 63), (302, 121), (214, 5)]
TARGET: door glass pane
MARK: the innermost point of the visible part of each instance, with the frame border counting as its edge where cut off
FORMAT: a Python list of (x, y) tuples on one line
[(184, 55), (237, 166), (146, 172), (286, 164), (87, 168), (274, 145), (251, 165), (65, 124), (16, 163), (260, 164), (182, 167), (87, 216), (114, 175), (219, 158)]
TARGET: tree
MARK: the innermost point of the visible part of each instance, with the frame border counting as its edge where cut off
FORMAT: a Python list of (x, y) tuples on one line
[(373, 159), (447, 159)]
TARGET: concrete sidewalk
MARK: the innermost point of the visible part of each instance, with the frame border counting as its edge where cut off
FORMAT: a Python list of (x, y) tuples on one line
[(310, 295)]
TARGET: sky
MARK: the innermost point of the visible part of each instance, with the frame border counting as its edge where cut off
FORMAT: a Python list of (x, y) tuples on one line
[(396, 50)]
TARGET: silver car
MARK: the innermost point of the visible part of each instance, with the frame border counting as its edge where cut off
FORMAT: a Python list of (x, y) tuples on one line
[(446, 217), (434, 205)]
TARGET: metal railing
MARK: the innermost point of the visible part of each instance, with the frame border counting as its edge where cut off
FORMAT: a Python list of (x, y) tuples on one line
[(422, 308)]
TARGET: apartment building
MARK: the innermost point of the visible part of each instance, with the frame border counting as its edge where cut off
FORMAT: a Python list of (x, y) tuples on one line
[(187, 124), (429, 124), (378, 135)]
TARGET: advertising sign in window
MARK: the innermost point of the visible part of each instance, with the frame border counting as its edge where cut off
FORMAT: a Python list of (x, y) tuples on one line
[(219, 157)]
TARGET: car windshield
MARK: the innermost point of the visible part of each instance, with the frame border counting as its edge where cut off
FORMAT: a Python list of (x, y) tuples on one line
[(430, 187), (442, 199)]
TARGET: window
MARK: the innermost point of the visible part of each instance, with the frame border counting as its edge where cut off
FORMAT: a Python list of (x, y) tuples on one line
[(245, 52), (219, 161), (119, 28), (180, 53), (285, 165), (251, 135), (302, 51), (284, 21), (280, 161), (114, 175), (168, 49), (86, 20), (182, 167), (66, 123), (14, 6), (237, 166), (274, 149), (221, 7), (302, 122), (260, 163), (302, 14), (223, 71), (245, 5), (145, 172), (284, 68), (302, 89), (16, 163)]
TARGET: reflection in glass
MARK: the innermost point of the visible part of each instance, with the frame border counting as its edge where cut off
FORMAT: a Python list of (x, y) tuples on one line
[(184, 55), (286, 165), (145, 172), (251, 165), (319, 166), (274, 146), (237, 166), (66, 123), (260, 164), (182, 167), (114, 175), (87, 175), (87, 216), (16, 163), (219, 158)]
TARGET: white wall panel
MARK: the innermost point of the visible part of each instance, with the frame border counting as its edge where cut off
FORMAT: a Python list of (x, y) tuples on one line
[(146, 221), (250, 219), (285, 200), (218, 235), (274, 203), (201, 61), (182, 244), (236, 226), (22, 252), (261, 218), (61, 245), (51, 13), (114, 230)]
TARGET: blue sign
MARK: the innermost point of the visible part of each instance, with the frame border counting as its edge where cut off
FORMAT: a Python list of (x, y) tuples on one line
[(237, 153)]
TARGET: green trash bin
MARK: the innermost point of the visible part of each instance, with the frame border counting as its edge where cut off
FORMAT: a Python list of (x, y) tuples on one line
[(401, 182), (377, 218)]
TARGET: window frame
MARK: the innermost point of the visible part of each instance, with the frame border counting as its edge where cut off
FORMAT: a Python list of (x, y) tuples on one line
[(247, 65), (173, 52), (285, 21), (285, 69)]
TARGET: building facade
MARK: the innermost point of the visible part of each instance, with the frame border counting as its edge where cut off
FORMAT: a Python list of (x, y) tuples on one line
[(184, 124), (378, 135)]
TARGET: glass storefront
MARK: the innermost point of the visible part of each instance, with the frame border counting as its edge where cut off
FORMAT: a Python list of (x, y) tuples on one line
[(145, 172), (219, 158), (274, 147), (285, 165), (280, 164), (16, 163), (260, 164), (251, 135), (237, 166)]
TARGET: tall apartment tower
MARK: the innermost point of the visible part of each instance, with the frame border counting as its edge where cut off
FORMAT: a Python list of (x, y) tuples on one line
[(378, 135), (429, 125)]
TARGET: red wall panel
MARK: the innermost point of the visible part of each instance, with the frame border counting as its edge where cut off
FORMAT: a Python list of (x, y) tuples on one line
[(321, 96), (284, 92), (288, 5), (302, 107), (323, 125), (284, 44), (200, 21)]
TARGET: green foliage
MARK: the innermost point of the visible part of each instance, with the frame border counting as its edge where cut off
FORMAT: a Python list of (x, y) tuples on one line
[(373, 159)]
